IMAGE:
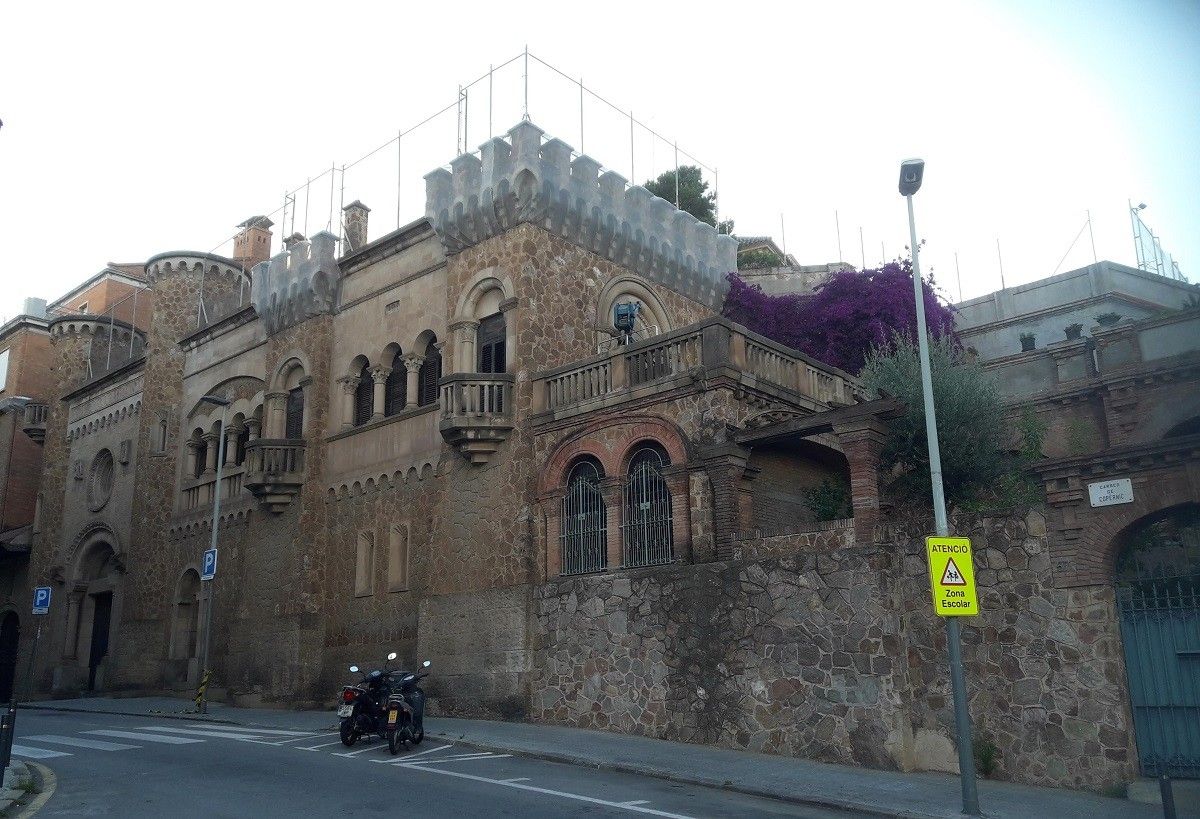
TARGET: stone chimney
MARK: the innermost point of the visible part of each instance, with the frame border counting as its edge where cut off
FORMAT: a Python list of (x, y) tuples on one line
[(253, 244), (354, 217), (294, 239), (35, 307)]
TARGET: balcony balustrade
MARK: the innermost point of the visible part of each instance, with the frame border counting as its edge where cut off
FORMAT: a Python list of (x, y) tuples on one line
[(709, 349), (477, 412), (35, 421), (275, 471)]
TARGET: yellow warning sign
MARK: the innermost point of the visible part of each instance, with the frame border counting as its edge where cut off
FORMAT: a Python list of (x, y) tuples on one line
[(952, 576)]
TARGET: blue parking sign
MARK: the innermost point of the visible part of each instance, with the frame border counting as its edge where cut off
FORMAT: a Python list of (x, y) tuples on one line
[(210, 565), (41, 600)]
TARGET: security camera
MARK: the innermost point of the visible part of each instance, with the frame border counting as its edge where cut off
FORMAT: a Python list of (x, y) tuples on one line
[(911, 173)]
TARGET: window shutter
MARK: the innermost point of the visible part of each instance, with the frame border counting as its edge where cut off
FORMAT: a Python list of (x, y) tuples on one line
[(429, 376), (364, 397), (491, 337), (294, 416), (395, 390)]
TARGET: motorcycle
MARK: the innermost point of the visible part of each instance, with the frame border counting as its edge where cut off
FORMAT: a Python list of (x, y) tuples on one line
[(406, 711), (379, 705)]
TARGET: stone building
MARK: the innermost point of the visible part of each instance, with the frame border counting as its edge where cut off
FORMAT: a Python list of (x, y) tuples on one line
[(436, 442)]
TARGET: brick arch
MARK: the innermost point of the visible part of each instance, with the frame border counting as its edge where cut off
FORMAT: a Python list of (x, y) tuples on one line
[(630, 433), (1105, 535)]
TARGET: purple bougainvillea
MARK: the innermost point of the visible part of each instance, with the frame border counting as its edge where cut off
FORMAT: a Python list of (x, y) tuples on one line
[(846, 316)]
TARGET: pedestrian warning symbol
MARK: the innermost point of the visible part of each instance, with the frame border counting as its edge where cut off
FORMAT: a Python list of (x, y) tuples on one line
[(952, 576)]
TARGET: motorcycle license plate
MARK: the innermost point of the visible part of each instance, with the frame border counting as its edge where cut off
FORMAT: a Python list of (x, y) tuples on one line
[(345, 710), (392, 715)]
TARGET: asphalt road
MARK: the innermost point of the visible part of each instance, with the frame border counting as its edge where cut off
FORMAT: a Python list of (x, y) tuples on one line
[(108, 765)]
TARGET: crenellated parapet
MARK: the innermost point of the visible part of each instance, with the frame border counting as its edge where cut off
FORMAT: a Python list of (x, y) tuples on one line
[(526, 179), (300, 282), (186, 261)]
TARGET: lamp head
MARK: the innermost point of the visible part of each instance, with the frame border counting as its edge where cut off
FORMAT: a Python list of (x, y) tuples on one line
[(912, 171)]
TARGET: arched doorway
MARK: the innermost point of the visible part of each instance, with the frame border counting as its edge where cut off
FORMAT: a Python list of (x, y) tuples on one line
[(185, 628), (10, 641), (1158, 598), (90, 614)]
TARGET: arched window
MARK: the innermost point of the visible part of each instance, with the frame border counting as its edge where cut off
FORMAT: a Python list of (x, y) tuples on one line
[(243, 440), (395, 389), (364, 396), (646, 528), (583, 523), (429, 375), (490, 339), (293, 420)]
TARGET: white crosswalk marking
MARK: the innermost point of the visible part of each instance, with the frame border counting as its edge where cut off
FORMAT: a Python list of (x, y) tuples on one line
[(81, 742), (274, 732), (197, 732), (144, 737), (36, 753)]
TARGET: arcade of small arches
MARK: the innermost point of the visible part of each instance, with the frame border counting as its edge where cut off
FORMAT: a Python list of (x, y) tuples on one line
[(396, 382)]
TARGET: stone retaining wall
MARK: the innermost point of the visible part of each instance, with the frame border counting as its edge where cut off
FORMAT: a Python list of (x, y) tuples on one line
[(836, 656)]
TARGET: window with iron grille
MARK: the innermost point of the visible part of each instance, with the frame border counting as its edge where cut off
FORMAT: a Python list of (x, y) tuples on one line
[(294, 415), (429, 375), (395, 389), (490, 341), (646, 527), (583, 522), (364, 397)]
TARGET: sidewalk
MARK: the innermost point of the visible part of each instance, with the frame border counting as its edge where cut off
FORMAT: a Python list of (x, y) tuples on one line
[(793, 780)]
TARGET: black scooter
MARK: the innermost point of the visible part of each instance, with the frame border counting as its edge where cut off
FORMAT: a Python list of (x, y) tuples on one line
[(386, 703)]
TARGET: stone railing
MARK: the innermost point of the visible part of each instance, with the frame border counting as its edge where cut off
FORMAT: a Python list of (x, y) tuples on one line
[(709, 348), (35, 421), (198, 492), (477, 412), (275, 470), (1108, 352)]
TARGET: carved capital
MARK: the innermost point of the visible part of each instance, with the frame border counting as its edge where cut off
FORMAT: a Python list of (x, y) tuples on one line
[(380, 373), (413, 361), (349, 383)]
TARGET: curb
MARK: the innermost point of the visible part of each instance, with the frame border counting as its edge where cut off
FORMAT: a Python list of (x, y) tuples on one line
[(155, 715), (671, 776)]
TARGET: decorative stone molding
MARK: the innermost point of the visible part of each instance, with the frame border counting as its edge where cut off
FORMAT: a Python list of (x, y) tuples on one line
[(298, 283), (526, 180)]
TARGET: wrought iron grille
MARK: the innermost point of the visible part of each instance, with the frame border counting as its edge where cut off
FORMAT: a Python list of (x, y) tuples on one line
[(646, 528), (584, 522), (1158, 597)]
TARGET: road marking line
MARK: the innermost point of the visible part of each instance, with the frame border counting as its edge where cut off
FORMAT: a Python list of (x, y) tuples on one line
[(412, 756), (36, 753), (145, 737), (633, 802), (194, 732), (517, 779), (463, 758), (80, 742), (326, 745), (371, 747), (264, 731), (285, 741), (533, 788)]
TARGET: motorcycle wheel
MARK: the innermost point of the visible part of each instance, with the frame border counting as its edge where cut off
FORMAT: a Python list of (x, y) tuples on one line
[(395, 742), (417, 737), (347, 733)]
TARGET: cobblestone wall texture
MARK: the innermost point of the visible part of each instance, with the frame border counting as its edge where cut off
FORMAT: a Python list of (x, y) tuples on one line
[(838, 657)]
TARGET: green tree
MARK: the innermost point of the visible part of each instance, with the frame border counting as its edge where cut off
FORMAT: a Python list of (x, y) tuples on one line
[(694, 196), (970, 420)]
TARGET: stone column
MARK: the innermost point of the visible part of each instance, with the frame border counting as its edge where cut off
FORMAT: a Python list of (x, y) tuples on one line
[(862, 442), (253, 424), (610, 490), (231, 435), (72, 639), (508, 308), (412, 364), (464, 347), (192, 447), (349, 385), (379, 374), (274, 408), (730, 476), (214, 442)]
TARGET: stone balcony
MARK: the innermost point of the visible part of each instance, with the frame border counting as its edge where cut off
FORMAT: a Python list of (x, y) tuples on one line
[(477, 412), (274, 471), (699, 353), (35, 421)]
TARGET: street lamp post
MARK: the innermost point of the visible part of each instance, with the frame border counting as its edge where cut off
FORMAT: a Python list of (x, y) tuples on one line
[(911, 174), (223, 403)]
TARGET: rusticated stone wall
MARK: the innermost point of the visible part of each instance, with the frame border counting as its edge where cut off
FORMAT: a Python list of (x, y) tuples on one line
[(836, 655)]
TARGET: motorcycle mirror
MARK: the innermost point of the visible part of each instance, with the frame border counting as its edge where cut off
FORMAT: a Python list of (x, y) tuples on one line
[(353, 669), (392, 656), (426, 664)]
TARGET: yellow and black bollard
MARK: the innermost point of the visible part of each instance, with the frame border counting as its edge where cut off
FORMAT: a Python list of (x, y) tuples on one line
[(200, 702)]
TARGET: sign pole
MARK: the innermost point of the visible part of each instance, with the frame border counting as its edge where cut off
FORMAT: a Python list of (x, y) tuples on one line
[(203, 697), (962, 717)]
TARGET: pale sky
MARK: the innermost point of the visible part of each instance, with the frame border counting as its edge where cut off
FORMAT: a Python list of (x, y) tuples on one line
[(131, 129)]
